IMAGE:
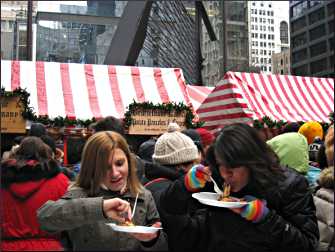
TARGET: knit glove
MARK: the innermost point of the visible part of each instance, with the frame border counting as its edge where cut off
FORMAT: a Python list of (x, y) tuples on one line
[(195, 178), (255, 210)]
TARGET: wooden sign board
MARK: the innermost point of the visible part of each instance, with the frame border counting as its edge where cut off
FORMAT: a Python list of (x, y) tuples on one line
[(11, 117), (154, 121)]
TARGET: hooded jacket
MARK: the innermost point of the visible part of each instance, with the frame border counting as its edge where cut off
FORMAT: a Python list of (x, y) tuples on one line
[(324, 203), (23, 191), (292, 150)]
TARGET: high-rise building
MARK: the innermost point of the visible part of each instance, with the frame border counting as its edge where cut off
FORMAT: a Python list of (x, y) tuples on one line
[(312, 36), (14, 29), (231, 51), (268, 32)]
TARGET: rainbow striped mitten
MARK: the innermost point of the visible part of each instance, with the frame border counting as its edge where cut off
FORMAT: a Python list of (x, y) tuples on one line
[(195, 178), (255, 211)]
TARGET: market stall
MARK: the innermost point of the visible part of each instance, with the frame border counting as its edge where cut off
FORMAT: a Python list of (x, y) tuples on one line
[(245, 97)]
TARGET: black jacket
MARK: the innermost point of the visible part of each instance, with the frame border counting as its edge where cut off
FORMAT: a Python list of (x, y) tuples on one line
[(290, 225)]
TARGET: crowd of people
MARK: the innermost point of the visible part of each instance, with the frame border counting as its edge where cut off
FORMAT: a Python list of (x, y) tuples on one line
[(287, 183)]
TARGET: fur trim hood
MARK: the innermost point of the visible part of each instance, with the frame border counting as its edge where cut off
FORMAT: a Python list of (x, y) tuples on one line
[(16, 171), (326, 178)]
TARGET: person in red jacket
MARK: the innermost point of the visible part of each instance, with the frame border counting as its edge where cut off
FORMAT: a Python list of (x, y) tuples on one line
[(29, 178)]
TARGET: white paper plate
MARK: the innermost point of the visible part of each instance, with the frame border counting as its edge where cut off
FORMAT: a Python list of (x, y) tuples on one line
[(211, 199), (133, 229)]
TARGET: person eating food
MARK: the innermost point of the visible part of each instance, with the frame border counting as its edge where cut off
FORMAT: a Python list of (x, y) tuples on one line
[(279, 214), (105, 191)]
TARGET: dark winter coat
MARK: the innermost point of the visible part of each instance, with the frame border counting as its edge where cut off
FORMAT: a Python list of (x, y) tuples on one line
[(290, 225), (23, 191)]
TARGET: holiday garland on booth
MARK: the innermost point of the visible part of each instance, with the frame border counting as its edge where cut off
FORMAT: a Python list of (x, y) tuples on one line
[(29, 114), (267, 122), (167, 107)]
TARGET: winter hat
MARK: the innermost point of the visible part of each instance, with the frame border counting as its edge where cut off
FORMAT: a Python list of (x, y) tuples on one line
[(37, 130), (329, 144), (292, 150), (146, 150), (207, 137), (311, 130), (291, 127), (174, 147), (195, 136)]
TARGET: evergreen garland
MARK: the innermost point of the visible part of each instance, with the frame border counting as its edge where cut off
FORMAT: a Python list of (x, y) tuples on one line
[(29, 114), (168, 107)]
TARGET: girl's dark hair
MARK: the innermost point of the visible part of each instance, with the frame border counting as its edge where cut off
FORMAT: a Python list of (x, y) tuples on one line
[(240, 145), (32, 161)]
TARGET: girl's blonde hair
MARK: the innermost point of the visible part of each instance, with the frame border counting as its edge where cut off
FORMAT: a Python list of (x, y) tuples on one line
[(94, 162)]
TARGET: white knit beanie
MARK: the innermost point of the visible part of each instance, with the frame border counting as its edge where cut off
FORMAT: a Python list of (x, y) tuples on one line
[(174, 147)]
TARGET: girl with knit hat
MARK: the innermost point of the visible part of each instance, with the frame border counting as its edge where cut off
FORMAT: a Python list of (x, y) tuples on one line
[(174, 154), (279, 216)]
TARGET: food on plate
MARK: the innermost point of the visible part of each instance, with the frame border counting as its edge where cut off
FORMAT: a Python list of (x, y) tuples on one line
[(225, 195), (226, 192), (128, 223)]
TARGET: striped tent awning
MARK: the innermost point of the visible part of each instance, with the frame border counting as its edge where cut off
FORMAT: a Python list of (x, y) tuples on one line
[(243, 97), (83, 91), (198, 94)]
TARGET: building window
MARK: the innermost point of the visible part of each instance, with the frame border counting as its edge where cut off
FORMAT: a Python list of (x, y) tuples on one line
[(316, 15), (318, 49), (319, 66), (281, 62), (299, 8), (299, 55), (236, 11), (331, 9), (331, 26), (253, 3), (317, 32), (299, 40), (283, 32), (314, 2), (281, 71), (298, 24), (270, 6), (331, 44)]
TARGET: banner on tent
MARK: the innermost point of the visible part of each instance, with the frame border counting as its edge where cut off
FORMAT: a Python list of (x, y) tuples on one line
[(11, 117), (154, 121)]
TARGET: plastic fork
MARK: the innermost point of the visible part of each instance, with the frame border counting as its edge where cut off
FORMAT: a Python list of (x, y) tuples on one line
[(216, 188), (132, 215)]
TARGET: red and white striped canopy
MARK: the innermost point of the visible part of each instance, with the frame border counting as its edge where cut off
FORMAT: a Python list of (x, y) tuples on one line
[(84, 91), (243, 97), (198, 94)]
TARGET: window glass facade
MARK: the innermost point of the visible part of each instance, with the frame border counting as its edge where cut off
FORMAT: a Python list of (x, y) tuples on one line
[(299, 55), (284, 32), (317, 32), (299, 9), (318, 49), (318, 66), (298, 24), (316, 16), (299, 40)]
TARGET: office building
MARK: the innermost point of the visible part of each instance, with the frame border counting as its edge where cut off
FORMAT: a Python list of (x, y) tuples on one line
[(268, 32), (312, 36), (231, 51)]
